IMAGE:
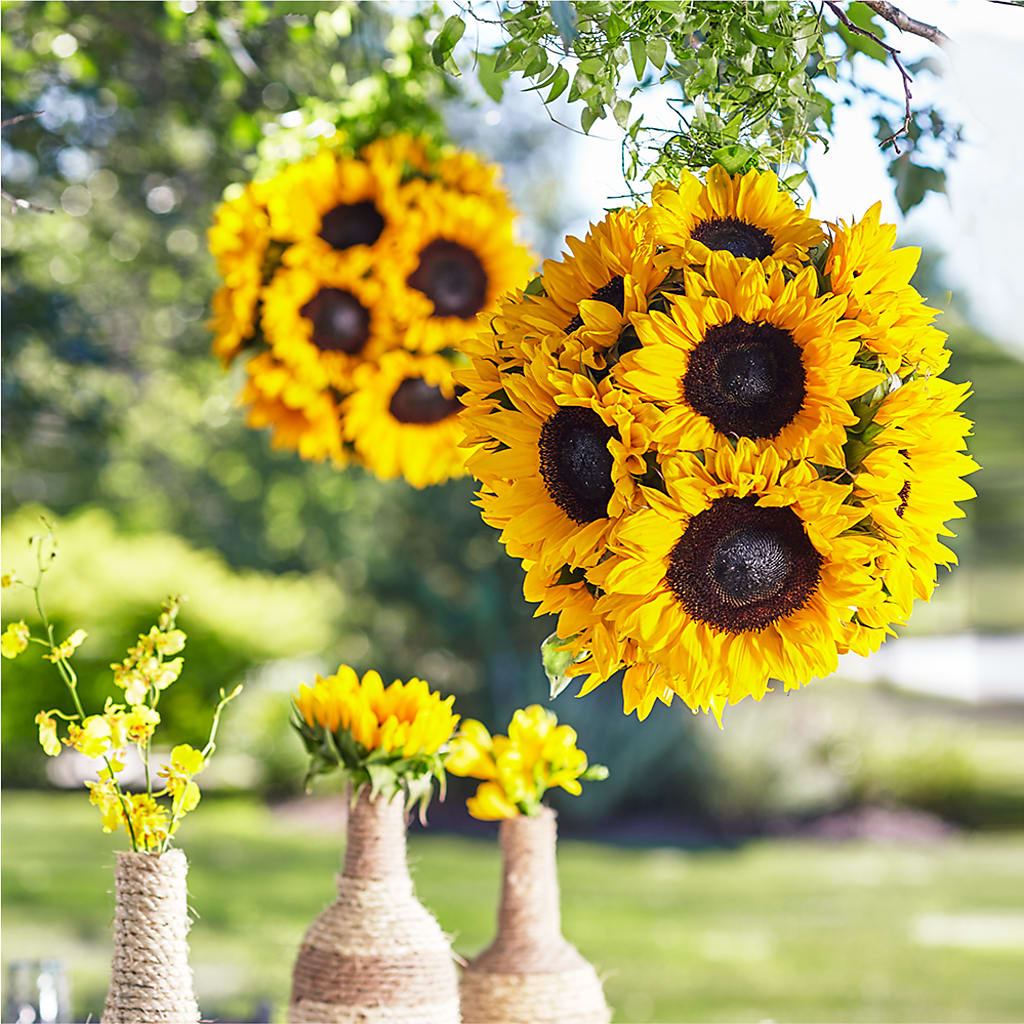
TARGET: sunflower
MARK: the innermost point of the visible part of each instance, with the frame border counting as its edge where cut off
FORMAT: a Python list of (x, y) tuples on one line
[(334, 211), (910, 482), (722, 457), (238, 240), (385, 739), (561, 464), (746, 215), (745, 355), (745, 570), (349, 257), (895, 323), (302, 416), (454, 256), (580, 304), (401, 419), (326, 320)]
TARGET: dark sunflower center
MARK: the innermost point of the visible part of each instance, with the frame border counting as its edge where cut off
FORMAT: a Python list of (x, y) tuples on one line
[(416, 401), (735, 236), (452, 277), (575, 463), (748, 379), (351, 224), (739, 567), (340, 321), (748, 566), (904, 498), (613, 293)]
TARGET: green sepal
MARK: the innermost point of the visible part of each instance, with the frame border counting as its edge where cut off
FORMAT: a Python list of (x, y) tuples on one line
[(557, 661)]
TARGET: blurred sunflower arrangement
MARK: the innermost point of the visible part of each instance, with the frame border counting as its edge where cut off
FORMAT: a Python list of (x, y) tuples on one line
[(716, 435), (517, 770), (350, 280), (384, 739)]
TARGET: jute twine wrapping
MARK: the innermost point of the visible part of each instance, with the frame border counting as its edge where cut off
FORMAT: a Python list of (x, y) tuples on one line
[(530, 974), (150, 978), (375, 955)]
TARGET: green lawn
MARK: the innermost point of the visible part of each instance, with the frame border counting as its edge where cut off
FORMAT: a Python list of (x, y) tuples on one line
[(786, 930)]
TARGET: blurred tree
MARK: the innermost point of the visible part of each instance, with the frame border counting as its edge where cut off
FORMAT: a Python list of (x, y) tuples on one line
[(111, 396)]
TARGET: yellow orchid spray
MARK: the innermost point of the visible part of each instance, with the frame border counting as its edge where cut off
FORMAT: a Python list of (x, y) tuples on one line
[(151, 818), (516, 770), (386, 739)]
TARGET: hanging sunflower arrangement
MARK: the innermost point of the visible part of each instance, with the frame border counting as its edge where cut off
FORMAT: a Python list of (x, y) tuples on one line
[(350, 279), (715, 434)]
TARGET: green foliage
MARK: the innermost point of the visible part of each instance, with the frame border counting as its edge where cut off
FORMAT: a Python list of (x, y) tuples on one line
[(748, 82), (108, 583)]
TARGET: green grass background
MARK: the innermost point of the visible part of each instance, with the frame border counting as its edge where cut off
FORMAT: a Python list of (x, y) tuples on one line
[(787, 930)]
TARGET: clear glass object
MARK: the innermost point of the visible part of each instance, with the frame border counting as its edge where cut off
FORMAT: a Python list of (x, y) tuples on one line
[(37, 992)]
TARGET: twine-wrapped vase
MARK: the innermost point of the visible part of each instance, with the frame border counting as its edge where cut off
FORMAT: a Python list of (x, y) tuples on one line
[(376, 954), (530, 974), (150, 977)]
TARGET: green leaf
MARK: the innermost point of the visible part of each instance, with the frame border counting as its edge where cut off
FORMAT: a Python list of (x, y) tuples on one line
[(537, 62), (507, 58), (535, 287), (450, 34), (621, 111), (556, 662), (638, 54), (863, 17), (733, 158), (914, 181), (558, 84), (588, 117), (657, 51), (492, 82)]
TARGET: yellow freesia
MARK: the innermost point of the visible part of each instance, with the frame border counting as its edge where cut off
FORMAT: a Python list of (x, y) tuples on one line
[(67, 647), (48, 733), (103, 795), (186, 762), (151, 824), (489, 803), (93, 738), (471, 753), (14, 639), (538, 754)]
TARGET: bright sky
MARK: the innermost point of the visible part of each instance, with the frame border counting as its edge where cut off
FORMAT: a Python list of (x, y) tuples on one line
[(980, 225)]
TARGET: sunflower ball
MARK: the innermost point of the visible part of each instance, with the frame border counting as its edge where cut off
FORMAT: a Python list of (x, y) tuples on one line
[(717, 436), (376, 954), (529, 972), (349, 281)]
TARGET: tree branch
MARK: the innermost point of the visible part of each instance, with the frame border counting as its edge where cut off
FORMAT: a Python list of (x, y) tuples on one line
[(905, 23), (20, 204), (895, 54)]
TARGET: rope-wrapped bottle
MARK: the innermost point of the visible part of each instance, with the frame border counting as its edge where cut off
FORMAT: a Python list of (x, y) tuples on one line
[(376, 954), (530, 974), (150, 977)]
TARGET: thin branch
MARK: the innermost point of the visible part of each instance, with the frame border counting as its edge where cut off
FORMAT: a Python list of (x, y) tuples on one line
[(905, 23), (19, 118), (22, 204), (904, 129)]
